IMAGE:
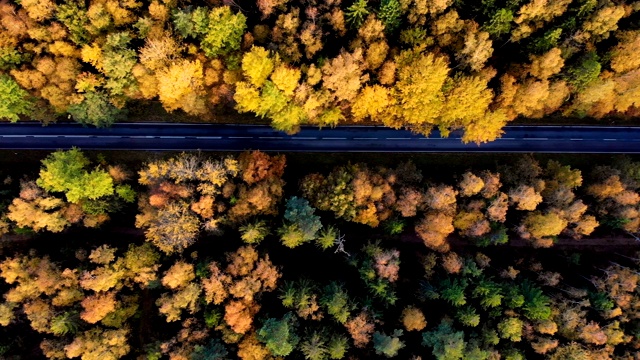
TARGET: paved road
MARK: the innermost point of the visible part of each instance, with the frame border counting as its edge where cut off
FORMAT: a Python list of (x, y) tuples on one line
[(166, 136)]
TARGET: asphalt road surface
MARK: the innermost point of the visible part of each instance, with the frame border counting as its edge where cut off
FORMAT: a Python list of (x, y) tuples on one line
[(209, 137)]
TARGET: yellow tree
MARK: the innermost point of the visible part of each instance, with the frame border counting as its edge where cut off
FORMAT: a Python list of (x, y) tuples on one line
[(534, 14), (273, 98), (181, 86), (33, 277), (371, 30), (471, 223), (477, 49), (547, 64), (99, 344), (470, 184), (540, 228), (171, 228), (418, 11), (466, 102), (603, 21), (267, 7), (40, 313), (140, 264), (627, 91), (6, 313), (257, 65), (286, 79), (238, 314), (441, 198), (487, 128), (159, 52), (97, 306), (38, 214), (433, 229), (626, 55), (448, 29), (311, 38), (251, 349), (102, 255), (246, 276), (183, 298), (343, 75), (525, 197), (530, 97), (376, 54), (418, 90), (413, 319), (178, 275), (39, 10), (371, 102), (103, 278)]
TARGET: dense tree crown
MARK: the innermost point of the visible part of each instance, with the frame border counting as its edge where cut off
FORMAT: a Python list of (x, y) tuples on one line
[(234, 267), (416, 64)]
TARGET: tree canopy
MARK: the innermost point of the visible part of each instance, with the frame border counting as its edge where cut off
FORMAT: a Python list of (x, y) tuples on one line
[(450, 65)]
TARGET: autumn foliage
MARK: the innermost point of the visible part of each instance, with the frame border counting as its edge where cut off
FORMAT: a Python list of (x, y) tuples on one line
[(421, 65), (179, 287)]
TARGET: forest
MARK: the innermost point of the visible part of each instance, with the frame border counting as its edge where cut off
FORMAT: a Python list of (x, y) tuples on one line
[(416, 64), (208, 256)]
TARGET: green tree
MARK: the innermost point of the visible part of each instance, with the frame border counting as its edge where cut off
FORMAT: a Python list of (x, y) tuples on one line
[(182, 23), (357, 12), (118, 60), (14, 100), (546, 42), (387, 345), (511, 329), (445, 342), (500, 23), (65, 323), (65, 171), (601, 301), (73, 15), (327, 237), (585, 71), (279, 335), (389, 13), (213, 350), (10, 58), (291, 235), (468, 316), (536, 304), (513, 297), (489, 293), (224, 32), (337, 303), (314, 346), (452, 291), (95, 110), (497, 236), (269, 102), (395, 226), (126, 193), (255, 232), (337, 346), (302, 219)]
